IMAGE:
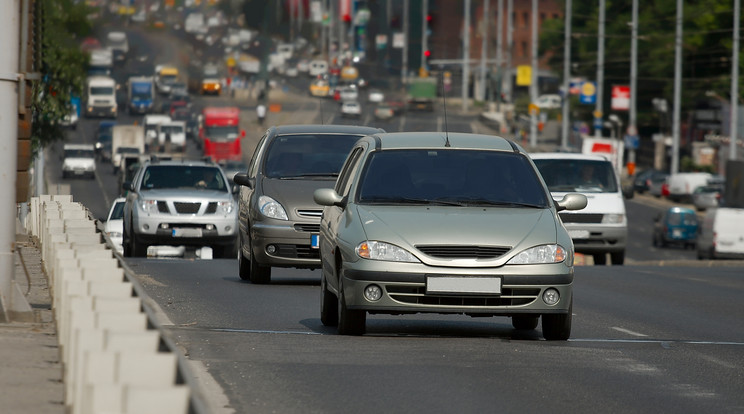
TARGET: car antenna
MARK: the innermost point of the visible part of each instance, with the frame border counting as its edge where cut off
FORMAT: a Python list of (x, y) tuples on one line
[(444, 104)]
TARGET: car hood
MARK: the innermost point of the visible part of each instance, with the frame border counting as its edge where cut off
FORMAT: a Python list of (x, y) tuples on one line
[(409, 226), (296, 195)]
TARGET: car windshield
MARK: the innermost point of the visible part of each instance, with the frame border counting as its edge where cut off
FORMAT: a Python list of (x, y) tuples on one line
[(222, 132), (79, 153), (101, 90), (451, 177), (308, 155), (586, 176), (159, 177), (117, 213)]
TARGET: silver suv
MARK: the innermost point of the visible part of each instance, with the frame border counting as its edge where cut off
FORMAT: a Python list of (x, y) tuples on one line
[(180, 203)]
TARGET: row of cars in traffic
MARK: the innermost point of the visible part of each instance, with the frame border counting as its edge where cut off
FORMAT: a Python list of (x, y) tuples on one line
[(703, 190), (397, 222)]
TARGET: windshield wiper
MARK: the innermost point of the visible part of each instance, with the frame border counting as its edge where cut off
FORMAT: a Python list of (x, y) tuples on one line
[(486, 202)]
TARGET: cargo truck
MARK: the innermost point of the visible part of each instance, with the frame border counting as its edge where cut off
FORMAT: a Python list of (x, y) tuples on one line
[(422, 93), (141, 94), (126, 140), (100, 97)]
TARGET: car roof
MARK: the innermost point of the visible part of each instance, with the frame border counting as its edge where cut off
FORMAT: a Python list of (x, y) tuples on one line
[(325, 129), (457, 140), (568, 156)]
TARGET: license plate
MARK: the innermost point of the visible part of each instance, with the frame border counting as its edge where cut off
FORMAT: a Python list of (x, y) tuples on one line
[(314, 241), (677, 232), (187, 232), (464, 285), (579, 234)]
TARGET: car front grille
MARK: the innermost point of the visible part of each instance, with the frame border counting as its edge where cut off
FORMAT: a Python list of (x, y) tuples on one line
[(463, 252), (310, 213), (581, 218), (163, 207), (296, 251), (211, 208), (186, 208), (416, 295), (308, 228)]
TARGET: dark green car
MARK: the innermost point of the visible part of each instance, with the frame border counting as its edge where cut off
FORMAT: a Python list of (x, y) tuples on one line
[(444, 223)]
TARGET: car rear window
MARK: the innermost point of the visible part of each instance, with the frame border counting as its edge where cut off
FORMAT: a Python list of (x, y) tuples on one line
[(458, 176), (303, 155)]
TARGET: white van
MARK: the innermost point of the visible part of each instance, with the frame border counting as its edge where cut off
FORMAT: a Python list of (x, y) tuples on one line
[(682, 185), (721, 234), (151, 128), (317, 67), (172, 136), (601, 227)]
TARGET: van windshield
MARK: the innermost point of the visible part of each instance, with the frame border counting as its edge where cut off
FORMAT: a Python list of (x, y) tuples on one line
[(584, 176)]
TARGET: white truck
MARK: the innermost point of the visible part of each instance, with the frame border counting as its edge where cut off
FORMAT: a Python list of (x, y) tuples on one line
[(100, 97), (151, 123), (171, 136), (126, 140)]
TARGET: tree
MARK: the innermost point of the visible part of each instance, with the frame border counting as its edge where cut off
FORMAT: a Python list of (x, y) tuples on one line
[(61, 63), (707, 45)]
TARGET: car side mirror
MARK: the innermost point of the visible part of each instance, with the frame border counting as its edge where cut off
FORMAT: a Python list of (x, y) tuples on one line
[(572, 201), (243, 179), (328, 197)]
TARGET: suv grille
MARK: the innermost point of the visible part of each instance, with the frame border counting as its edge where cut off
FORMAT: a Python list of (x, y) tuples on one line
[(186, 208), (580, 218), (163, 207), (211, 208), (464, 252)]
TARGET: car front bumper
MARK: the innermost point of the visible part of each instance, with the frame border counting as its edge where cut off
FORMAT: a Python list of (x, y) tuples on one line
[(598, 238), (196, 231), (285, 245), (408, 291)]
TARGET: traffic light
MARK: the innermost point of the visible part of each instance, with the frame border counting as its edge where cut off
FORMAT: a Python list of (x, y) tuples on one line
[(427, 53)]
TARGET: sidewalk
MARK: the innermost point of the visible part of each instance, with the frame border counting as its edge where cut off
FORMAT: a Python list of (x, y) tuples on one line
[(30, 367)]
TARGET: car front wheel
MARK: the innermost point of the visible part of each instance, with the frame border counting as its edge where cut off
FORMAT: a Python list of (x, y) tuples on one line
[(328, 305), (557, 327), (350, 322), (258, 274)]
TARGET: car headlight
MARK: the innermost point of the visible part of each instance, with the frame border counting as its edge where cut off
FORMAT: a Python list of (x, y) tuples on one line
[(613, 218), (375, 250), (149, 206), (226, 207), (271, 208), (547, 253)]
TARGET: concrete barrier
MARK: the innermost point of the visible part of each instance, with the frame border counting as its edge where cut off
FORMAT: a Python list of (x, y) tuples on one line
[(115, 358)]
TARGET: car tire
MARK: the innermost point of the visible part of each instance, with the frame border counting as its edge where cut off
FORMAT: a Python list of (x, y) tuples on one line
[(126, 243), (617, 258), (557, 327), (350, 322), (600, 258), (244, 269), (328, 304), (258, 274), (138, 249), (525, 322)]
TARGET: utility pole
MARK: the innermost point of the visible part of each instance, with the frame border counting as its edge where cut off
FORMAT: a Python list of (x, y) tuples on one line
[(535, 77), (632, 129), (499, 52), (677, 89), (466, 56), (484, 51), (598, 115), (509, 47), (566, 76), (735, 84), (9, 85), (424, 29), (404, 66)]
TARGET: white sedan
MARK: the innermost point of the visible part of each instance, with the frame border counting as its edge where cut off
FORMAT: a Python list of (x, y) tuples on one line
[(376, 96), (351, 109), (114, 226)]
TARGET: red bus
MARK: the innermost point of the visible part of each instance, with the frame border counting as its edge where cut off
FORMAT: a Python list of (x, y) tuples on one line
[(220, 133)]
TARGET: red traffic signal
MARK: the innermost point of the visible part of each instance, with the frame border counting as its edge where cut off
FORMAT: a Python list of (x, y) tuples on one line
[(427, 53)]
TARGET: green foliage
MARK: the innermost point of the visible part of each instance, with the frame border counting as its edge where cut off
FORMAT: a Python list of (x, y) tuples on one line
[(707, 42), (687, 164), (62, 66)]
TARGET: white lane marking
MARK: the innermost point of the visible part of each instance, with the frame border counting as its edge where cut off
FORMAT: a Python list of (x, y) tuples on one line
[(264, 331), (656, 341), (628, 331)]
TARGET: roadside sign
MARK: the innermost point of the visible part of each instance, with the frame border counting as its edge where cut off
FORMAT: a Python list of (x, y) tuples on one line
[(533, 109), (620, 98), (588, 93), (524, 75)]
